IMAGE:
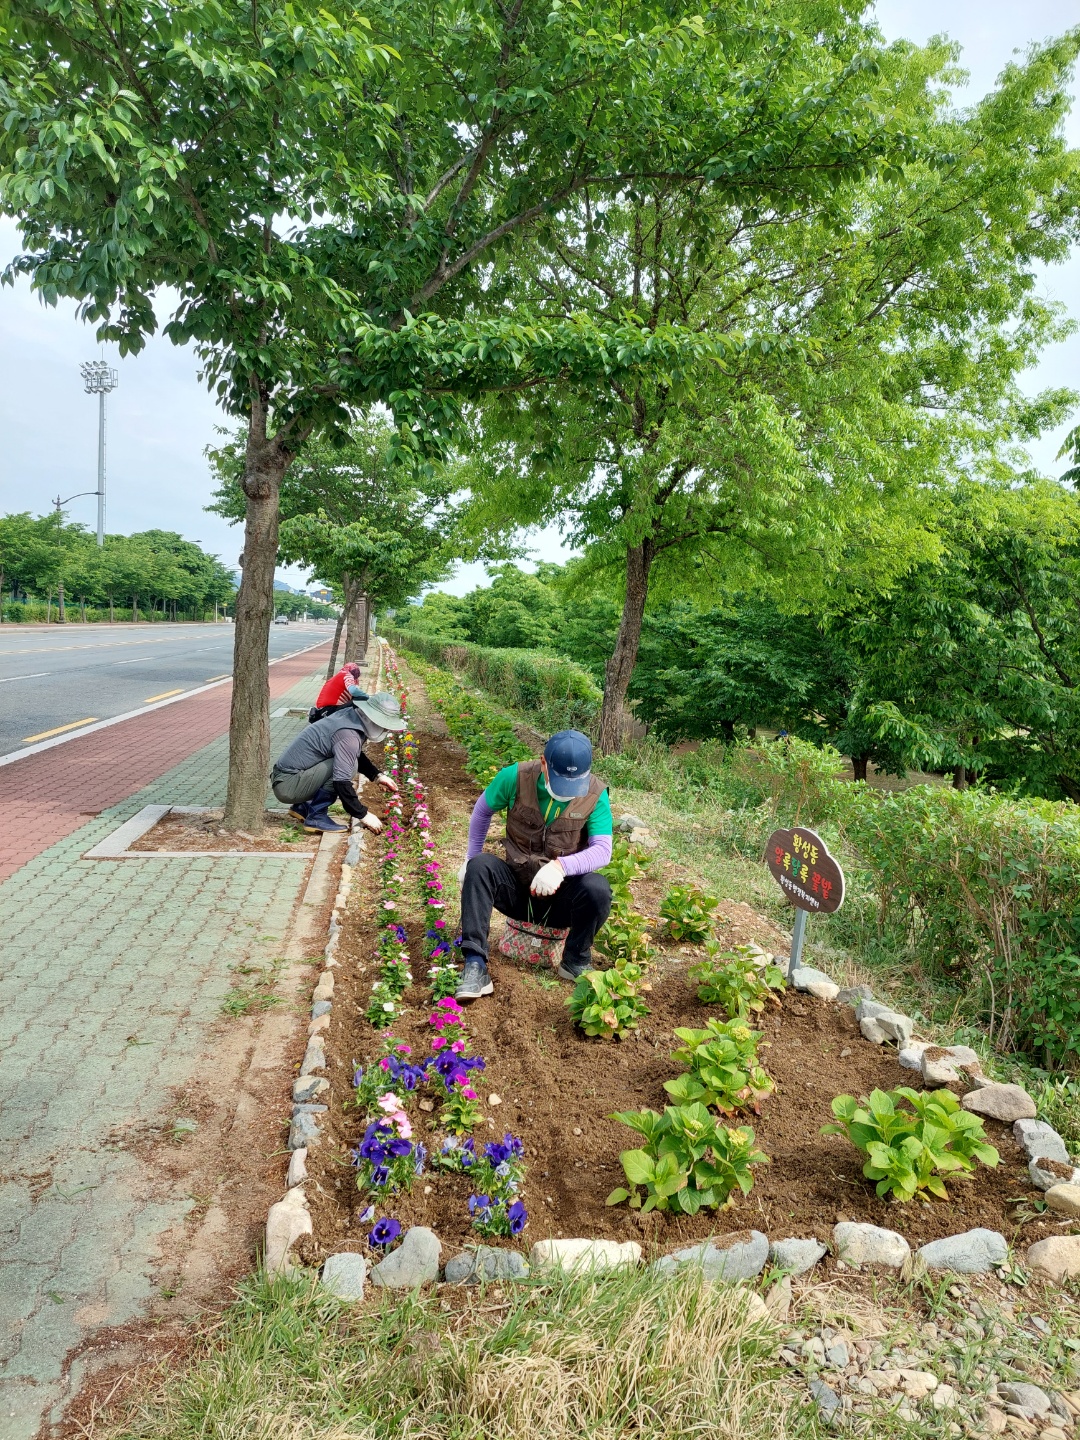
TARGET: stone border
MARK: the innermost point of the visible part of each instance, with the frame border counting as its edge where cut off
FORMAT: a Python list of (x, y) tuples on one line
[(117, 846)]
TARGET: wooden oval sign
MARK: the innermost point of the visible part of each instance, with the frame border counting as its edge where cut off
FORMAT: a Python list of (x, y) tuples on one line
[(803, 868)]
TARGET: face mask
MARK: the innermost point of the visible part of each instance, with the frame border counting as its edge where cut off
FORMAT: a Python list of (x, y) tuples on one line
[(374, 732)]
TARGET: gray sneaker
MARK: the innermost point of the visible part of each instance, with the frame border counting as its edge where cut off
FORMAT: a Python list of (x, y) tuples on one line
[(475, 981), (573, 970)]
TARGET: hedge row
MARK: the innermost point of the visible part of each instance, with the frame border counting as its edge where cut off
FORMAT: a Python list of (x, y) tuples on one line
[(558, 693)]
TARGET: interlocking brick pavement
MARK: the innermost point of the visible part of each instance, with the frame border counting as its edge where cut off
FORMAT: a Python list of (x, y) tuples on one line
[(46, 796), (112, 974)]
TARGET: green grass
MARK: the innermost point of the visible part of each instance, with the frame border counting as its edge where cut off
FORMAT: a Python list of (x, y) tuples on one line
[(252, 992), (604, 1357)]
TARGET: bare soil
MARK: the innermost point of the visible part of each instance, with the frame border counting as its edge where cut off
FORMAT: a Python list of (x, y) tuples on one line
[(556, 1089), (204, 832)]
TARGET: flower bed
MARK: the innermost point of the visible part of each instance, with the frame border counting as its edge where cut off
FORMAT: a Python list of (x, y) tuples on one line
[(557, 1092)]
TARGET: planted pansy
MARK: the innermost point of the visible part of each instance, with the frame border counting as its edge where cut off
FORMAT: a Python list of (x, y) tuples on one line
[(384, 1232)]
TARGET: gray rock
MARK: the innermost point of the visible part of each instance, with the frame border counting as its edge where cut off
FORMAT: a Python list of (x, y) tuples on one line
[(297, 1168), (324, 990), (314, 1056), (828, 1402), (910, 1056), (486, 1262), (415, 1261), (1000, 1102), (945, 1065), (306, 1108), (796, 1256), (1036, 1137), (352, 854), (814, 982), (836, 1355), (303, 1131), (307, 1087), (321, 1007), (858, 1244), (1027, 1402), (741, 1260), (1046, 1178), (628, 822), (285, 1223), (344, 1275), (972, 1253), (879, 1023), (854, 994)]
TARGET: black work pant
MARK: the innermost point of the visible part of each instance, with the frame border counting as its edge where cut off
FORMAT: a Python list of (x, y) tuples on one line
[(581, 904)]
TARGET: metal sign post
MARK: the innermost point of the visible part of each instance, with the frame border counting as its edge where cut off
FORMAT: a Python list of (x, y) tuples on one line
[(800, 863)]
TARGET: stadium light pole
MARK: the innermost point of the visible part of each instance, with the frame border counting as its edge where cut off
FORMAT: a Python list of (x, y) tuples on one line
[(99, 378)]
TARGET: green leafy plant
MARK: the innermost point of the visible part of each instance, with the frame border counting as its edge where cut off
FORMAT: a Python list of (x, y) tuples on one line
[(910, 1146), (625, 935), (722, 1067), (689, 1162), (686, 912), (608, 1002), (735, 980)]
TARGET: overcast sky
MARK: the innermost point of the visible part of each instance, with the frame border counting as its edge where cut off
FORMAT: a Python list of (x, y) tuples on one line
[(161, 418)]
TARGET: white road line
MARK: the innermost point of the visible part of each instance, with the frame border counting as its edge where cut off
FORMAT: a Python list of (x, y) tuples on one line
[(7, 679), (142, 710)]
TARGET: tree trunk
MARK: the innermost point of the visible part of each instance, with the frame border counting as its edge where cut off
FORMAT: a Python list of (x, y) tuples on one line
[(135, 607), (354, 623), (367, 624), (265, 464), (1, 594), (112, 617), (48, 606), (330, 669), (858, 766), (620, 668), (960, 778)]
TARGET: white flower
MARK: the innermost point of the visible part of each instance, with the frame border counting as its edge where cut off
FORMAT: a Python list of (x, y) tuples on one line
[(388, 1005)]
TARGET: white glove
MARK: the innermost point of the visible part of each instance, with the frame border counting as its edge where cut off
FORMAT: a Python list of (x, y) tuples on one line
[(547, 879), (371, 822), (387, 782), (461, 872)]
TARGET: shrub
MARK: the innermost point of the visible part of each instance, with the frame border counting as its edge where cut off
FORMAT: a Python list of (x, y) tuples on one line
[(722, 1067), (909, 1149), (735, 981), (555, 691), (489, 739), (608, 1002), (685, 911), (988, 891), (689, 1161)]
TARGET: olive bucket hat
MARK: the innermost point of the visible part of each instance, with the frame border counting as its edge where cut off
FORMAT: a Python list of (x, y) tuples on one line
[(382, 708)]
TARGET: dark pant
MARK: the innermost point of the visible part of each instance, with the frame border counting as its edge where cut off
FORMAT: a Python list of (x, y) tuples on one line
[(581, 904)]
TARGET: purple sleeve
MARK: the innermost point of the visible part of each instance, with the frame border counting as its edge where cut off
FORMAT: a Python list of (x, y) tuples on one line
[(595, 855), (479, 825)]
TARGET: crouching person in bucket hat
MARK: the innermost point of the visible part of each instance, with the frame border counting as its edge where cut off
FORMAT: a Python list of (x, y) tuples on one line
[(558, 835), (319, 766)]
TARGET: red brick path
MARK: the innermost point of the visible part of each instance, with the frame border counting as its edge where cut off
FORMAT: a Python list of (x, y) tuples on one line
[(48, 795)]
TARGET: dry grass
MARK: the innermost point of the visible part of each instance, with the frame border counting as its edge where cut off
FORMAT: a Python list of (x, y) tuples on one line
[(601, 1357)]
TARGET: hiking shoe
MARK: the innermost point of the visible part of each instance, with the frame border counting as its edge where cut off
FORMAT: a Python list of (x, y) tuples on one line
[(573, 970), (475, 981), (322, 824), (299, 811)]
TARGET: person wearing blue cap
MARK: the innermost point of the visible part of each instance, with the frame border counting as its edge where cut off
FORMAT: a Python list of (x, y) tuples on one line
[(558, 835)]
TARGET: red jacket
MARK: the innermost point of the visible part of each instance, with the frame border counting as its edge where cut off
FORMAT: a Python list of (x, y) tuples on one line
[(335, 691)]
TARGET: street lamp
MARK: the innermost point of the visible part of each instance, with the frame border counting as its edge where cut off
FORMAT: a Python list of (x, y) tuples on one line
[(99, 378)]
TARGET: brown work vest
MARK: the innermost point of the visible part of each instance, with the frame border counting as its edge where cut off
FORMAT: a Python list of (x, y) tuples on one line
[(529, 842)]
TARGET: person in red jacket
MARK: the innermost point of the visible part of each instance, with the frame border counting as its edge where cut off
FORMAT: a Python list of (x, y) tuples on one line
[(336, 689)]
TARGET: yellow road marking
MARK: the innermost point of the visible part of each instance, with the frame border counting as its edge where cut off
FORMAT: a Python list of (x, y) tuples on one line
[(226, 676), (163, 696), (45, 734)]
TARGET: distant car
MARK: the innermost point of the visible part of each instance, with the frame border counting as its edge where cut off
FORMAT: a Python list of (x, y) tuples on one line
[(281, 619)]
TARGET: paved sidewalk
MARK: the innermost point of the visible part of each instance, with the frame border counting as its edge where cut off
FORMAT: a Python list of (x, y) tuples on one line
[(112, 975)]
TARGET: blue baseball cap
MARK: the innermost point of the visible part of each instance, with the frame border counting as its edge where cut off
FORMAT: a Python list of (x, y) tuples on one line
[(569, 762)]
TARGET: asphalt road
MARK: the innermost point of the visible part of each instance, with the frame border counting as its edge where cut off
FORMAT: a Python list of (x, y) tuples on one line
[(59, 676)]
